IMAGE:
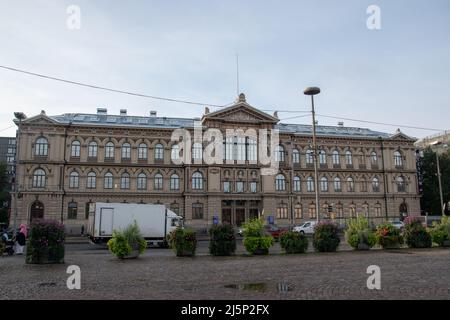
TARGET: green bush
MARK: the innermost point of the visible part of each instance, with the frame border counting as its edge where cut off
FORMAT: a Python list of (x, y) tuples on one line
[(255, 239), (326, 238), (441, 231), (388, 236), (183, 242), (258, 245), (293, 242), (222, 240), (359, 233), (124, 242), (46, 242), (415, 234)]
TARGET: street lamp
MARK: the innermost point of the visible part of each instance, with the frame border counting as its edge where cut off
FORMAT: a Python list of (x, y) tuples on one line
[(312, 91), (436, 143), (19, 116)]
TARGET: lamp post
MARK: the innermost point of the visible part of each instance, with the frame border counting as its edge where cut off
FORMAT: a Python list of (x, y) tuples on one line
[(312, 91), (439, 176), (19, 116)]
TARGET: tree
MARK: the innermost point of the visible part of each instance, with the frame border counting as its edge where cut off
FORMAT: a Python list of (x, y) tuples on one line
[(431, 198)]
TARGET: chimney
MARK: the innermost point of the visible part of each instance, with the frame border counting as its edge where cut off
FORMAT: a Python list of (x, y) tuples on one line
[(102, 111), (123, 112), (275, 114), (152, 114), (206, 110), (340, 124)]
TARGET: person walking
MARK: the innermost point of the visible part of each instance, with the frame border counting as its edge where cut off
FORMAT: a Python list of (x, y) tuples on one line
[(21, 239)]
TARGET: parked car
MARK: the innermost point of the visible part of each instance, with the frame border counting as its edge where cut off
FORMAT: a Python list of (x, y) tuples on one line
[(398, 224), (306, 228), (275, 231)]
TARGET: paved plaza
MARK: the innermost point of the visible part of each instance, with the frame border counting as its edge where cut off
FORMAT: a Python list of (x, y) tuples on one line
[(158, 274)]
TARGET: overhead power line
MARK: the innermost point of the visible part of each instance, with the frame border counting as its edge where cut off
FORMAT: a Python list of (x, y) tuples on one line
[(4, 129), (112, 90)]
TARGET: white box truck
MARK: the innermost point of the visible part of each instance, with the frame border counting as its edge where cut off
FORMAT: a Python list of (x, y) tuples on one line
[(154, 220)]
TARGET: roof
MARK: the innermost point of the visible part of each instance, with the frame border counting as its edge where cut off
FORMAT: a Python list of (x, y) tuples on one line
[(173, 123)]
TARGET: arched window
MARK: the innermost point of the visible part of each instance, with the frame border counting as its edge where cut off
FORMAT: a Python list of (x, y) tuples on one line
[(375, 184), (39, 178), (74, 180), (310, 184), (322, 157), (142, 181), (109, 150), (336, 158), (350, 184), (365, 209), (159, 152), (92, 149), (175, 153), (377, 209), (348, 158), (279, 153), (280, 182), (72, 210), (295, 156), (374, 158), (126, 151), (125, 181), (323, 184), (75, 149), (337, 184), (197, 181), (142, 151), (91, 180), (174, 182), (401, 186), (309, 157), (297, 184), (398, 160), (108, 183), (41, 148), (252, 149), (158, 182), (197, 151)]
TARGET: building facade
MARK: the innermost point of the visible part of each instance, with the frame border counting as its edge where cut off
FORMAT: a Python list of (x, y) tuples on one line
[(68, 161), (8, 153)]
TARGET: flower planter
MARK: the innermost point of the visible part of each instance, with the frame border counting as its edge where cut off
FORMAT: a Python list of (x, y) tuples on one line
[(261, 252), (134, 253), (363, 246), (185, 253), (446, 243), (227, 247)]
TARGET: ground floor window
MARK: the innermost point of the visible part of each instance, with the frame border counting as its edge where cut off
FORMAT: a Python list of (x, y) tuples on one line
[(282, 211), (298, 211), (72, 210), (197, 211)]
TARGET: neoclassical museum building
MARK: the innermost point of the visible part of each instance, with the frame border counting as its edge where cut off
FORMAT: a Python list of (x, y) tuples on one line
[(68, 161)]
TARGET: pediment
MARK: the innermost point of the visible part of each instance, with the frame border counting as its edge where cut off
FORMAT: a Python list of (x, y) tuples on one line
[(240, 112), (401, 136), (39, 119)]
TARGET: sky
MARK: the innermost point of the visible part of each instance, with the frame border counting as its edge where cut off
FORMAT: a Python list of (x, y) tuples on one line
[(187, 50)]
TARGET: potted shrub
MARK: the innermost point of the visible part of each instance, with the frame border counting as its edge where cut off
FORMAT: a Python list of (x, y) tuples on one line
[(388, 236), (127, 244), (440, 232), (359, 234), (293, 242), (256, 241), (45, 242), (415, 234), (222, 240), (184, 242), (326, 237)]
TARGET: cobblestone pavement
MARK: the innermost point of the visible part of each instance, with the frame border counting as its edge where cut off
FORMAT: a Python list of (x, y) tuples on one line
[(158, 274)]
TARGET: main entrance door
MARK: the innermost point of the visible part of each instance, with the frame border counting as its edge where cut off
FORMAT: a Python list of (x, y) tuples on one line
[(236, 212), (36, 210)]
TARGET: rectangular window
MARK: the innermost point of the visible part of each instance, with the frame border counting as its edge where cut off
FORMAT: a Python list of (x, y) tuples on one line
[(86, 210), (240, 186), (72, 210), (197, 211), (253, 187), (226, 186), (298, 212)]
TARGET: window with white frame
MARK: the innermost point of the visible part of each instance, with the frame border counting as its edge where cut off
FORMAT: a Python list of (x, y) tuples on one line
[(376, 184), (279, 153), (142, 181), (295, 156), (41, 147), (126, 151), (75, 148), (337, 184), (174, 182), (197, 152), (252, 149), (108, 180), (74, 180), (309, 156), (280, 182), (197, 180), (350, 184), (348, 158), (175, 153), (158, 182), (310, 184), (398, 159), (159, 152), (92, 149), (297, 184), (109, 150), (39, 178), (142, 151), (91, 182), (323, 184), (125, 181), (322, 157), (336, 157)]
